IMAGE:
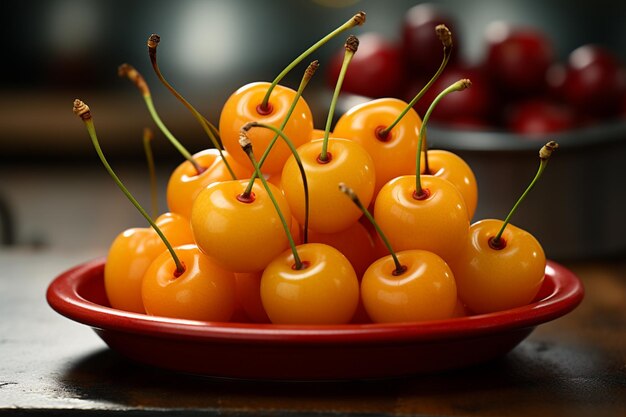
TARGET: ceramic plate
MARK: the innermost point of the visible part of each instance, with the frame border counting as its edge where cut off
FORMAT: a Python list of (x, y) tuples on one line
[(266, 351)]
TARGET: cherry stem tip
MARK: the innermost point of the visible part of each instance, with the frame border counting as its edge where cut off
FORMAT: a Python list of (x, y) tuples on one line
[(444, 35), (546, 151), (81, 110), (153, 41)]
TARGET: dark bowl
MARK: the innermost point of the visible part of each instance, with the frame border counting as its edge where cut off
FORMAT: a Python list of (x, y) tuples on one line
[(576, 208)]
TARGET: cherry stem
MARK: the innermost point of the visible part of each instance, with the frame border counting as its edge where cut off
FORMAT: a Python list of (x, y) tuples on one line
[(133, 75), (246, 145), (446, 38), (457, 86), (308, 74), (356, 20), (294, 151), (544, 156), (148, 135), (355, 199), (211, 131), (351, 46), (83, 111)]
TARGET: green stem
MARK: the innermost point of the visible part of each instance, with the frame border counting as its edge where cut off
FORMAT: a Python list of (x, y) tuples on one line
[(128, 71), (355, 199), (155, 116), (457, 86), (208, 127), (351, 46), (446, 58), (216, 132), (296, 156), (147, 141), (544, 156), (248, 150), (356, 20), (308, 74), (180, 268)]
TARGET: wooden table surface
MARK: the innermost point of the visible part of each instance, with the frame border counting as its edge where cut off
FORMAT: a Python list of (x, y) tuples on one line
[(49, 365)]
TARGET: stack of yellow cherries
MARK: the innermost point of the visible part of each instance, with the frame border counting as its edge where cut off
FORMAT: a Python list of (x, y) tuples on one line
[(283, 223)]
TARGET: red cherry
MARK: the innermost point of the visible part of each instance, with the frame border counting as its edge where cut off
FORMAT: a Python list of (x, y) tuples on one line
[(476, 102), (539, 116), (594, 81), (518, 58), (555, 79), (421, 46), (377, 70)]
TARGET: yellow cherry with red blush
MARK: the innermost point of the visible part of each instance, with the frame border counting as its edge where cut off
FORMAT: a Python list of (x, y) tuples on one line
[(502, 266), (388, 128), (393, 153), (269, 103), (323, 290), (410, 285), (244, 106), (130, 255), (203, 291), (312, 283), (449, 166), (248, 295), (327, 162), (424, 211), (242, 232), (496, 278), (355, 243), (185, 183)]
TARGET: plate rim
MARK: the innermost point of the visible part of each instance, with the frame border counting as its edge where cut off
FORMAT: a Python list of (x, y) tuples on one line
[(63, 296)]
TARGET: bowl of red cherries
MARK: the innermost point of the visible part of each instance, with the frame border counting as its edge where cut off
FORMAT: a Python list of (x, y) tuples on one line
[(522, 92)]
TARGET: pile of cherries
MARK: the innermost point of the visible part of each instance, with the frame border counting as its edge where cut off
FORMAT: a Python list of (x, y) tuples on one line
[(519, 86), (276, 225)]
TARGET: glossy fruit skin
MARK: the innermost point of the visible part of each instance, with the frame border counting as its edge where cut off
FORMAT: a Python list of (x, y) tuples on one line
[(330, 210), (242, 237), (376, 70), (130, 255), (421, 46), (451, 167), (355, 243), (425, 291), (393, 156), (490, 280), (460, 309), (326, 292), (274, 178), (319, 134), (205, 291), (518, 58), (185, 183), (248, 294), (241, 108), (439, 223)]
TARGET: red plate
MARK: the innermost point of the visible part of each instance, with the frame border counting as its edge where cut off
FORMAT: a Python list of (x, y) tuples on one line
[(266, 351)]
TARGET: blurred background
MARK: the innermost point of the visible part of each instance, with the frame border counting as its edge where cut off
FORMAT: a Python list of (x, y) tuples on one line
[(55, 193)]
